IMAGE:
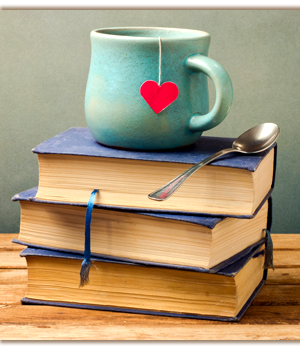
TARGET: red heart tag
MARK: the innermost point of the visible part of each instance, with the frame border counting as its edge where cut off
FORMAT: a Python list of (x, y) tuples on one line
[(159, 97)]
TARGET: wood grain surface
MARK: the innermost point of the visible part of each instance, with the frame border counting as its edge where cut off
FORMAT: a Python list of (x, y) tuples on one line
[(273, 315)]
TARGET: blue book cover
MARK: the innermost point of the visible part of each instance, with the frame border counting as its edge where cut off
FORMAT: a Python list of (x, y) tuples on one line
[(230, 270), (79, 141), (207, 221)]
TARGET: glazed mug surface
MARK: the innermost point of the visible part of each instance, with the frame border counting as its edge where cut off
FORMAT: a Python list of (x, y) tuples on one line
[(122, 59)]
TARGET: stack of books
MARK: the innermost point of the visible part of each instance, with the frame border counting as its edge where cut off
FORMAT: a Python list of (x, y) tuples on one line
[(200, 254)]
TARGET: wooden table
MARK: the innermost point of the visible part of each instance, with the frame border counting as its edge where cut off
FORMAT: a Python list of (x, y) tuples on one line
[(273, 315)]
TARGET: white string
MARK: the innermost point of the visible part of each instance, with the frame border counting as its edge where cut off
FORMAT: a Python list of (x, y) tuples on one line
[(159, 73)]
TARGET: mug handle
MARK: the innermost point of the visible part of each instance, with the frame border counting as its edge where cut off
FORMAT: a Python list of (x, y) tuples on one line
[(224, 92)]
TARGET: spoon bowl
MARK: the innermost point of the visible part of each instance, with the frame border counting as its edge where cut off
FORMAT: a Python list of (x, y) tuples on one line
[(254, 140), (257, 139)]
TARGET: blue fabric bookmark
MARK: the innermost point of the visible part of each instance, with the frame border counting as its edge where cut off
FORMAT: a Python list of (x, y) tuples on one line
[(269, 251), (86, 264)]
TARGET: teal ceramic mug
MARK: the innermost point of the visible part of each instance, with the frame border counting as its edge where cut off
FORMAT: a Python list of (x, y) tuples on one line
[(122, 59)]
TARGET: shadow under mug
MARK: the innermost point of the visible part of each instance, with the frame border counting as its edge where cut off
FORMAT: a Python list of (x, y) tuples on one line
[(122, 59)]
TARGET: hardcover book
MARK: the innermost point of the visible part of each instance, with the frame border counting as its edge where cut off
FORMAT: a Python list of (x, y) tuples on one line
[(53, 279), (72, 164), (187, 240)]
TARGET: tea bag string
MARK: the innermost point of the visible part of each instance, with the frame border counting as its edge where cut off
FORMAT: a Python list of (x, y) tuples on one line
[(159, 64)]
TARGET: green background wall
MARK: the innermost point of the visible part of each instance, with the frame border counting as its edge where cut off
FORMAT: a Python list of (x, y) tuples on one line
[(44, 64)]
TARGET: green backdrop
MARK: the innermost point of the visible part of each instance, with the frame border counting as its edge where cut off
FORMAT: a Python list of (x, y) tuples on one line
[(44, 64)]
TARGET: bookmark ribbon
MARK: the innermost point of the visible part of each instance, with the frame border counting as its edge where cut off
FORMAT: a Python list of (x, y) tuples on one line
[(269, 251), (86, 264)]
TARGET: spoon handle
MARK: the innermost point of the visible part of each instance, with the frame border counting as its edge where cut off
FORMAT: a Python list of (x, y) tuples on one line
[(167, 190)]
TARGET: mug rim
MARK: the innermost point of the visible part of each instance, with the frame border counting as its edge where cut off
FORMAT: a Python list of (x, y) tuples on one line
[(195, 34)]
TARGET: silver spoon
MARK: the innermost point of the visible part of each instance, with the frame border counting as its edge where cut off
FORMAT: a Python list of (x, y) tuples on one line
[(254, 140)]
